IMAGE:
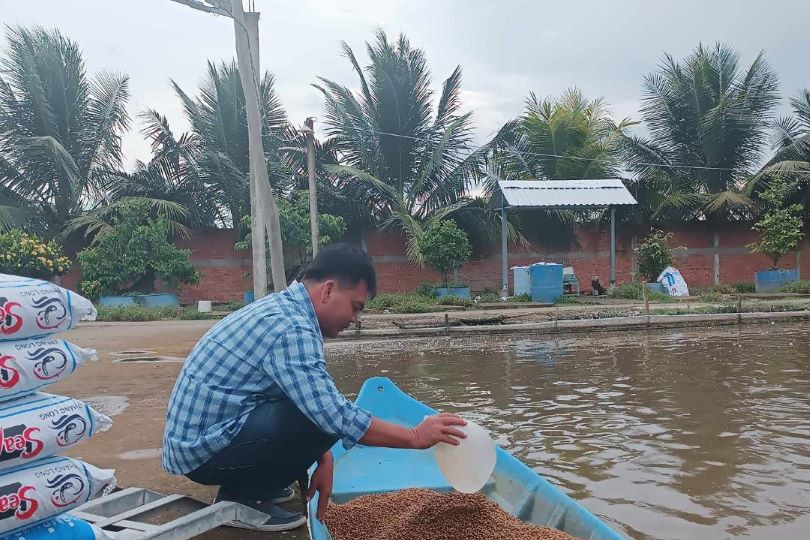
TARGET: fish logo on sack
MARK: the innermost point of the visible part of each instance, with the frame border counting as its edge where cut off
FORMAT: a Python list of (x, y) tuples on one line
[(10, 322), (71, 429), (51, 312), (19, 442), (17, 501), (67, 489), (49, 363), (9, 377)]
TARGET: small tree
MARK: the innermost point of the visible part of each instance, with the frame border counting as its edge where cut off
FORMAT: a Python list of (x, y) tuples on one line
[(654, 255), (444, 247), (134, 253), (28, 255), (780, 229)]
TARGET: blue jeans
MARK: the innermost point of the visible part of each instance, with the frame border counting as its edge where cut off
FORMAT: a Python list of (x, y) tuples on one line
[(275, 447)]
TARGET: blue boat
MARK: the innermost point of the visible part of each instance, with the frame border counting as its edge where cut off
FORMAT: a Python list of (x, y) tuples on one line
[(364, 470)]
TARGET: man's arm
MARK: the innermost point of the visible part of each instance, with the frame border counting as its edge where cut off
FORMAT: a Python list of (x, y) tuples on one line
[(432, 430)]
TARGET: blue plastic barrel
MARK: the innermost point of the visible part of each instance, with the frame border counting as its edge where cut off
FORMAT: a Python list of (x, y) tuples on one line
[(522, 280), (249, 297), (546, 282)]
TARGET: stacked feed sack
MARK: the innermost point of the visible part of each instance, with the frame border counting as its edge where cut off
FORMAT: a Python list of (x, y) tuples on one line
[(37, 487)]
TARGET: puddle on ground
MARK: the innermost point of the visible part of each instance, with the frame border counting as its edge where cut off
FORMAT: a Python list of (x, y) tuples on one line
[(143, 453), (109, 405)]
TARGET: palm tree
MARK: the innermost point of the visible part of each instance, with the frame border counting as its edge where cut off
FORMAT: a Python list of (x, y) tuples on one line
[(708, 120), (791, 163), (567, 138), (402, 164), (217, 148), (60, 132)]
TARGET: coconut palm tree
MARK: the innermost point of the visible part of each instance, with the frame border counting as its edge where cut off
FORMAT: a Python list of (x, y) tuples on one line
[(402, 162), (219, 137), (60, 131), (791, 162), (567, 138), (708, 119)]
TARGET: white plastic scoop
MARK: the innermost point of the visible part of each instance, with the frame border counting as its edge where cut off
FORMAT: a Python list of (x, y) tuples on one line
[(468, 466)]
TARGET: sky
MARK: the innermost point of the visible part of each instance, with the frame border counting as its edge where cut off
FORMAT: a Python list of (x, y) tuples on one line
[(507, 48)]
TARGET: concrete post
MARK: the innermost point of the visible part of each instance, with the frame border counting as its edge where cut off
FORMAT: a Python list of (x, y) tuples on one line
[(246, 30), (313, 187)]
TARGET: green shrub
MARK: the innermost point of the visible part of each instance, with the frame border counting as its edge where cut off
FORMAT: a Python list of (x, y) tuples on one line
[(90, 289), (233, 306), (780, 229), (444, 247), (135, 314), (632, 291), (566, 300), (524, 297), (402, 303), (453, 300), (799, 287), (747, 287), (712, 296), (654, 255), (722, 288), (489, 298), (427, 289), (24, 254), (627, 291), (193, 314), (135, 252)]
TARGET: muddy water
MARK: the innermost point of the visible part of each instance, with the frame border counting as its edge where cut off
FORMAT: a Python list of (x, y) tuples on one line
[(688, 434)]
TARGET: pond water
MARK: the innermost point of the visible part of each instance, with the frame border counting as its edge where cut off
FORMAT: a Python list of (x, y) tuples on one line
[(679, 434)]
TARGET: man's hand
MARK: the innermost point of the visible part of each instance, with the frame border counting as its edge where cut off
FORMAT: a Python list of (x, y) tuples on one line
[(438, 428), (321, 482)]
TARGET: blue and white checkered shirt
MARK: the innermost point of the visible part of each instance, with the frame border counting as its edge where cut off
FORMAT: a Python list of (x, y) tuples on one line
[(266, 350)]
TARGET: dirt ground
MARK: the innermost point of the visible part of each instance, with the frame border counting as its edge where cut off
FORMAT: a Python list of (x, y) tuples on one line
[(135, 395)]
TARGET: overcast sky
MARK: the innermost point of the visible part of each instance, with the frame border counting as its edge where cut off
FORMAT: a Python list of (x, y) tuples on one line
[(507, 48)]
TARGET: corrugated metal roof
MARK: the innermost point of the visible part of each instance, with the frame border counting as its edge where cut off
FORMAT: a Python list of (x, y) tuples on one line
[(562, 193)]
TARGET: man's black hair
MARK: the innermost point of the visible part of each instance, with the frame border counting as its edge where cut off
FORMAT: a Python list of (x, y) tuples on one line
[(343, 262)]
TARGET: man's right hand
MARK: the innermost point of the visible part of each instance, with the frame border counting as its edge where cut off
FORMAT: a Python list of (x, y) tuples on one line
[(438, 428), (433, 429)]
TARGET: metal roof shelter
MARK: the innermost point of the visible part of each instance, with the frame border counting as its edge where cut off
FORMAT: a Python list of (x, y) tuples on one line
[(557, 194)]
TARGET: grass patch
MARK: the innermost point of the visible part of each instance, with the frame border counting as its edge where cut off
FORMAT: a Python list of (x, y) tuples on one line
[(489, 298), (566, 301), (632, 291), (135, 314), (799, 287), (142, 314), (402, 303), (453, 300), (525, 297)]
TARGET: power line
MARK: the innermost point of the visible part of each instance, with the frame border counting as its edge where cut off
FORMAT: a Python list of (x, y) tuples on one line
[(608, 162)]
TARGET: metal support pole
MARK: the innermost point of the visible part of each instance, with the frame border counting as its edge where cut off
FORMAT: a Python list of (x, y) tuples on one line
[(716, 243), (612, 246), (504, 249)]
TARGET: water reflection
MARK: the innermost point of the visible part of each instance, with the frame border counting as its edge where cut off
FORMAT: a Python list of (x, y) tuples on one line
[(698, 434)]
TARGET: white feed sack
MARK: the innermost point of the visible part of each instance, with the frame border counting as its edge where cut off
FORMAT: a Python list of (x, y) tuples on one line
[(33, 307), (30, 364), (42, 425), (46, 488)]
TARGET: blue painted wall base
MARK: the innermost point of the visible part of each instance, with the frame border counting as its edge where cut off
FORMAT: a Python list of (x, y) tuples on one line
[(773, 280)]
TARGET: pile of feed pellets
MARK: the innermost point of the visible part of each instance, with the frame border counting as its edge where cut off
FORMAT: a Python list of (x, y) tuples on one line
[(421, 514)]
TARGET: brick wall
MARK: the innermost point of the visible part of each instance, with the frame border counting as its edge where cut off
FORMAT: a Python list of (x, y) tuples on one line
[(223, 268)]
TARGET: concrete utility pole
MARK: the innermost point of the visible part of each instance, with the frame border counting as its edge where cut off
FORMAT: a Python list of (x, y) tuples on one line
[(313, 186), (263, 209)]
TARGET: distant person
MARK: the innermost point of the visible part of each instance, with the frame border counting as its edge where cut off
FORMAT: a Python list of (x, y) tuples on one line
[(254, 406)]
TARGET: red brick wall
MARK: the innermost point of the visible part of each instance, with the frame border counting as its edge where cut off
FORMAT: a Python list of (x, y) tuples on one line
[(223, 268)]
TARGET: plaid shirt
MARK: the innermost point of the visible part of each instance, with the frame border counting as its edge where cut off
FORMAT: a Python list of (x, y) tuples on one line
[(268, 350)]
